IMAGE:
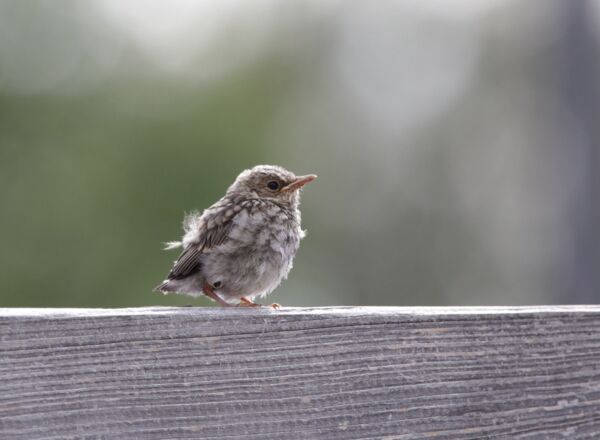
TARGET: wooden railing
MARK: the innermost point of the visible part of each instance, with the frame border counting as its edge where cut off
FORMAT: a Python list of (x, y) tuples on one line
[(307, 373)]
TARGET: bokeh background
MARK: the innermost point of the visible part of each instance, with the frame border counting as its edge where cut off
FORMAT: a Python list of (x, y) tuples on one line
[(456, 143)]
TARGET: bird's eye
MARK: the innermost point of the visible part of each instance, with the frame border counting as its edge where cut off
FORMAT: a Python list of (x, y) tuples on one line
[(273, 185)]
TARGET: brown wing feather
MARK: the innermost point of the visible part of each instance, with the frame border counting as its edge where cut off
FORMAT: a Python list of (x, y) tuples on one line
[(189, 260), (187, 263)]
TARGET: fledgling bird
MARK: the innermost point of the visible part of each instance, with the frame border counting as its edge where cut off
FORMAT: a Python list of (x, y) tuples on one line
[(243, 246)]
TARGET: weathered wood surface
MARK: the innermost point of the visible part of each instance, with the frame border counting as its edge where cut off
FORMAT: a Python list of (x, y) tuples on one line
[(327, 373)]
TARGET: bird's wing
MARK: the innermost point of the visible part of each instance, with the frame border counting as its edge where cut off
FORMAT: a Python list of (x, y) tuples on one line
[(212, 230), (187, 263)]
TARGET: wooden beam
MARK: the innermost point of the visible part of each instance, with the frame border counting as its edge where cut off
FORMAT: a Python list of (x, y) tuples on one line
[(306, 373)]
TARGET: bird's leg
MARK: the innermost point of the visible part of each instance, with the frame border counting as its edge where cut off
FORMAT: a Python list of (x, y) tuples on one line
[(210, 292), (246, 302)]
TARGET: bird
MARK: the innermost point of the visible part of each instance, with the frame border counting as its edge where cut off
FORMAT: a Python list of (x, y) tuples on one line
[(242, 246)]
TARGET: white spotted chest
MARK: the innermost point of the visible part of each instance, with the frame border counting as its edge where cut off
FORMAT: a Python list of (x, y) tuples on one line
[(258, 254)]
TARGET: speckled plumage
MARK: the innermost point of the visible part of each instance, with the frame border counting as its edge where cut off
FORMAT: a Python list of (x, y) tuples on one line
[(243, 246)]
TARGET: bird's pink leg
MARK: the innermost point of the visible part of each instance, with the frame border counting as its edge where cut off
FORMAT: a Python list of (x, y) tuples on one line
[(209, 291), (246, 302)]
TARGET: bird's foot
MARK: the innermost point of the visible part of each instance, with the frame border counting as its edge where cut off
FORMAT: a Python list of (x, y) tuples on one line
[(245, 302)]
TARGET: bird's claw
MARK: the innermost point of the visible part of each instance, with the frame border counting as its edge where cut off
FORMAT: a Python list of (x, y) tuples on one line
[(245, 302)]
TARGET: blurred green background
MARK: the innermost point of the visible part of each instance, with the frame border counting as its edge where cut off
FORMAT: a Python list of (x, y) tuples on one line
[(456, 143)]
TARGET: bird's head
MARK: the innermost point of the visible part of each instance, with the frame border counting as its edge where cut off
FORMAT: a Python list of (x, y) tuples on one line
[(270, 182)]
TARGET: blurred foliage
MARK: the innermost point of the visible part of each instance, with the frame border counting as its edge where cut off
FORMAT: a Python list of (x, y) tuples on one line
[(429, 147)]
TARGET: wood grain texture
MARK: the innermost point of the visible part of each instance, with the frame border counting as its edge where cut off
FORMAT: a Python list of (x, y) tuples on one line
[(327, 373)]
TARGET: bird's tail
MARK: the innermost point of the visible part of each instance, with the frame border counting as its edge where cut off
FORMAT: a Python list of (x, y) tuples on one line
[(190, 285), (164, 287)]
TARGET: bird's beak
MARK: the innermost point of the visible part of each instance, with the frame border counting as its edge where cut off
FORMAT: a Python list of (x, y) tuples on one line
[(299, 182)]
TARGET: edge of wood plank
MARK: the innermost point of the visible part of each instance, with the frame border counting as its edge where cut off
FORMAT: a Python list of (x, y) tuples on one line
[(332, 311)]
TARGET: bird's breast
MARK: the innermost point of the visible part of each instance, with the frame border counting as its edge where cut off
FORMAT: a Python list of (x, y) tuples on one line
[(270, 228), (259, 253)]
